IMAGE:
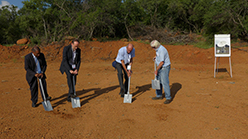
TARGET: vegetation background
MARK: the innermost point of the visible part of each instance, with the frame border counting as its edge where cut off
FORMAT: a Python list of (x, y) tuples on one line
[(45, 21)]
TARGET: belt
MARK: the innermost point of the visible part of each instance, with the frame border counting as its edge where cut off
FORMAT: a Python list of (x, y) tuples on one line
[(164, 67)]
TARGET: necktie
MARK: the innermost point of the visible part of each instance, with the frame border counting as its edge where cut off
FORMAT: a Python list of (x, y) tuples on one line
[(37, 65)]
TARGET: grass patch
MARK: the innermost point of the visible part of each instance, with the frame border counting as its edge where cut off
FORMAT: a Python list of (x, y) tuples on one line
[(8, 45), (221, 77), (141, 41), (176, 43), (202, 44), (14, 60)]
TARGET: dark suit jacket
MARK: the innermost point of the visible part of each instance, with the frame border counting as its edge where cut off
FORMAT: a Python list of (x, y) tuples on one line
[(30, 66), (67, 56)]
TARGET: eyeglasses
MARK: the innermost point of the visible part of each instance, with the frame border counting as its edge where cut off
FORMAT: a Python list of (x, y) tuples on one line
[(154, 47)]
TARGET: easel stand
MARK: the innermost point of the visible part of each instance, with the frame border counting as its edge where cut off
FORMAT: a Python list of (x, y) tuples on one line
[(218, 66)]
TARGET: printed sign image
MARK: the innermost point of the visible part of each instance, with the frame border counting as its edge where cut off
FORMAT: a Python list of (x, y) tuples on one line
[(222, 45)]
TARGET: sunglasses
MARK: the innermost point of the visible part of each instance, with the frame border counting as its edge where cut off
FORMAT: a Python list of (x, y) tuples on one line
[(153, 47)]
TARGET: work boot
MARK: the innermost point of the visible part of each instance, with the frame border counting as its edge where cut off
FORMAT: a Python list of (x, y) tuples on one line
[(167, 101), (157, 98), (34, 105)]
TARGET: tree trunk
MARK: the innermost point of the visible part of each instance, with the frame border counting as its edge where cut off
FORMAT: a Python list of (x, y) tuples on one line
[(45, 27), (127, 27)]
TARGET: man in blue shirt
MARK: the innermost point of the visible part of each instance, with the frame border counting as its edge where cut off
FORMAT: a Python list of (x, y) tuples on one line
[(162, 61), (124, 60), (35, 66)]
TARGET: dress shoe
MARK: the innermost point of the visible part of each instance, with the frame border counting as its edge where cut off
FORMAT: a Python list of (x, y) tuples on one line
[(48, 98), (68, 99), (157, 98), (121, 92), (34, 105), (167, 101), (122, 95)]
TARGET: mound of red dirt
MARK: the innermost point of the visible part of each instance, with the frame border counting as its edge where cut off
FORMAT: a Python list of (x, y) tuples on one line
[(107, 51)]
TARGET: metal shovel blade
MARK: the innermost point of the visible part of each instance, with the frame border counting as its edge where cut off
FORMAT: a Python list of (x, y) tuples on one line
[(47, 105), (127, 98), (155, 84), (75, 102)]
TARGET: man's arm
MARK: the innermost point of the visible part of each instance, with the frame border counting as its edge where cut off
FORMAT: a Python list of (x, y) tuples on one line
[(27, 66), (159, 66), (124, 67), (78, 59), (161, 59), (65, 58), (44, 64), (131, 61)]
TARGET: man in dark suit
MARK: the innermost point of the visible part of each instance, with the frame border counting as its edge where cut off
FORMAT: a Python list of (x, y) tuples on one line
[(35, 66), (70, 65)]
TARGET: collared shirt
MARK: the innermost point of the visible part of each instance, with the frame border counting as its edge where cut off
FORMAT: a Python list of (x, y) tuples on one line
[(162, 55), (37, 68), (123, 55), (72, 61)]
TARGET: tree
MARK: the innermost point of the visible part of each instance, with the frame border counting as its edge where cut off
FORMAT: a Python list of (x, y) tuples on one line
[(9, 28), (229, 17)]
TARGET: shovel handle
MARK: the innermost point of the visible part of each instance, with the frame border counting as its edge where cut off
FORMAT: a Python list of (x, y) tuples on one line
[(42, 89), (73, 80), (129, 79), (154, 69)]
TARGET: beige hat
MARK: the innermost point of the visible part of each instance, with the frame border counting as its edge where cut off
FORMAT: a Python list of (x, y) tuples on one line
[(155, 44)]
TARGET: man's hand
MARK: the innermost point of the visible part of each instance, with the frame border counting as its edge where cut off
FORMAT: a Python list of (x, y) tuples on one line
[(41, 75), (154, 58), (75, 71), (156, 72), (129, 72), (37, 75)]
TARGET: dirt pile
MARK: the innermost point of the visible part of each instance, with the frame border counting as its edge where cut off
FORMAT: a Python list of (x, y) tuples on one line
[(107, 51)]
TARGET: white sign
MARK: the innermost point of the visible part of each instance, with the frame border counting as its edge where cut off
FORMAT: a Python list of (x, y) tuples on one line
[(222, 45)]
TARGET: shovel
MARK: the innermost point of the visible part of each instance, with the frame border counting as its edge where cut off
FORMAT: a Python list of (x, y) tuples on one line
[(75, 101), (128, 97), (46, 103), (155, 82)]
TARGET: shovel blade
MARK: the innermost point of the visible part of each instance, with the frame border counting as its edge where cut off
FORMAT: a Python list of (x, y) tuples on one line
[(127, 98), (155, 84), (47, 105), (75, 102)]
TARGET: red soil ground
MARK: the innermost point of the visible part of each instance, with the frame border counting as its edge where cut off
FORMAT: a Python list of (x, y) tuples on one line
[(203, 106)]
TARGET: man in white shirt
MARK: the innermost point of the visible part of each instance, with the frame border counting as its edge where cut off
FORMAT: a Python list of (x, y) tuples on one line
[(163, 63), (124, 58)]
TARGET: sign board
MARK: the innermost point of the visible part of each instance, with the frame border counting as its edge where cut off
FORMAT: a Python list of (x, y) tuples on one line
[(222, 45)]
